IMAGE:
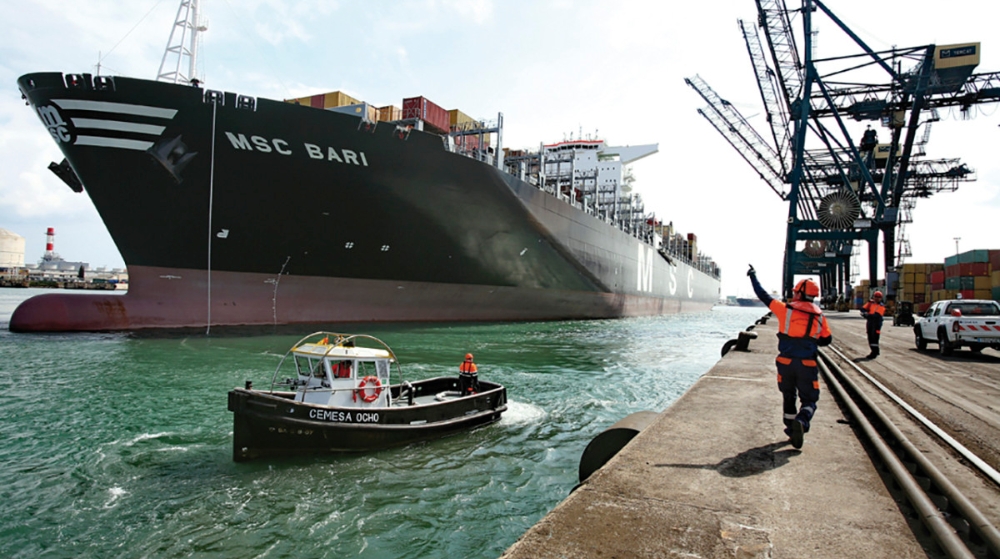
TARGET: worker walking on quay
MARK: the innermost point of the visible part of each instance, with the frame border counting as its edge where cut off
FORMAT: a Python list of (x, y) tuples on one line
[(874, 312), (802, 328), (468, 376)]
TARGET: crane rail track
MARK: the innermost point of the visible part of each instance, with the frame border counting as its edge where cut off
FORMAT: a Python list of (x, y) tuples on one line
[(954, 522)]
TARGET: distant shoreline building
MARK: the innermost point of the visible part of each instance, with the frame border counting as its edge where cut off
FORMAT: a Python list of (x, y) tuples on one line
[(51, 267)]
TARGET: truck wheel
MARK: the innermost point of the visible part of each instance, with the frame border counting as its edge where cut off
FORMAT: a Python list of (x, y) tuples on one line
[(921, 342), (944, 346)]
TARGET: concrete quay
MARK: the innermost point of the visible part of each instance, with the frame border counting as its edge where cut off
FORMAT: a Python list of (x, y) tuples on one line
[(714, 476)]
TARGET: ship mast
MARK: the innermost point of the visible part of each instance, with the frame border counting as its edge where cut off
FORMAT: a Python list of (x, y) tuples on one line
[(185, 27)]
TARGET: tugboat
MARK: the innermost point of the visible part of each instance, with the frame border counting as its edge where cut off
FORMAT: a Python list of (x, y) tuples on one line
[(342, 399)]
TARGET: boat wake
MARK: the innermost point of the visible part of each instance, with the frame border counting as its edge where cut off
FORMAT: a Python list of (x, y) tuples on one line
[(520, 413)]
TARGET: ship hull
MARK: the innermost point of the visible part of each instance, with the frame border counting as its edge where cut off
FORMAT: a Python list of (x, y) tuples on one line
[(282, 214)]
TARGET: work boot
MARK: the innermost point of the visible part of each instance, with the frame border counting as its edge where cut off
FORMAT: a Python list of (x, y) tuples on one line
[(797, 434)]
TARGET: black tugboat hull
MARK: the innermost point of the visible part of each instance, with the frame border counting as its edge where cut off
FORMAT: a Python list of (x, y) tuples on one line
[(273, 425)]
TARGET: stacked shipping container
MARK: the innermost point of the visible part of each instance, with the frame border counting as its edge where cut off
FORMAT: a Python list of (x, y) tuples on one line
[(973, 274), (435, 118), (325, 100), (920, 284)]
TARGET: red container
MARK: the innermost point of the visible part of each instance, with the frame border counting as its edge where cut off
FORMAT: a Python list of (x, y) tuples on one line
[(919, 297), (968, 293), (937, 286), (995, 260), (922, 307), (937, 277), (435, 118), (467, 142), (316, 101), (953, 271), (974, 269)]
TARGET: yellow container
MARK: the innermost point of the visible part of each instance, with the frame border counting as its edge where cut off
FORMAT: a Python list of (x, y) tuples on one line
[(908, 278), (995, 279), (390, 113), (983, 282), (920, 278), (456, 117), (339, 99), (983, 294)]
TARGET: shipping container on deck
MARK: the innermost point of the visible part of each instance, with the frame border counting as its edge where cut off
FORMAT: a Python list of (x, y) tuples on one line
[(950, 261), (937, 277), (360, 110), (995, 260), (953, 271), (435, 118), (390, 113), (996, 293), (325, 100), (461, 121), (467, 142), (995, 278)]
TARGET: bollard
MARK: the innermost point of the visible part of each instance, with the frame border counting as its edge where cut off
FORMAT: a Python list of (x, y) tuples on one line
[(740, 344)]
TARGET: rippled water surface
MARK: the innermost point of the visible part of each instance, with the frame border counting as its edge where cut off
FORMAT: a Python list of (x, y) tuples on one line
[(120, 446)]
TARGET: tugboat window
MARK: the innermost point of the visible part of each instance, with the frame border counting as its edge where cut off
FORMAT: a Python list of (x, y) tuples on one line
[(317, 368)]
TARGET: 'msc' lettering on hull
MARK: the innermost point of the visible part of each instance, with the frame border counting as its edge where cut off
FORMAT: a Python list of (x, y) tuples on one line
[(282, 147)]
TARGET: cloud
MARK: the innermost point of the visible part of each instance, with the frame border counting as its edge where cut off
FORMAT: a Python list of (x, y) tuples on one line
[(478, 11)]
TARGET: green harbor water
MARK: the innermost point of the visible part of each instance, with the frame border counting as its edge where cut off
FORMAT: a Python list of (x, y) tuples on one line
[(115, 445)]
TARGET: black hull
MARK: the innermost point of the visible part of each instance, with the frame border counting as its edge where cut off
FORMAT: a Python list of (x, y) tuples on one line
[(271, 424), (264, 201)]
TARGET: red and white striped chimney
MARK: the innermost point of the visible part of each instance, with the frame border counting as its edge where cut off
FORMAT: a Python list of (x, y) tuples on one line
[(50, 241)]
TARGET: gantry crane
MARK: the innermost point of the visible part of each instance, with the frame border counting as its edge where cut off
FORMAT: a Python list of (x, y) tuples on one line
[(841, 189)]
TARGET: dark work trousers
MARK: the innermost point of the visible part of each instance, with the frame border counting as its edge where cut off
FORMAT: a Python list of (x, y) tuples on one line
[(874, 329), (468, 383), (798, 377)]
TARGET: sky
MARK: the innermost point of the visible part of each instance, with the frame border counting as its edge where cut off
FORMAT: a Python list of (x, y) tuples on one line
[(554, 68)]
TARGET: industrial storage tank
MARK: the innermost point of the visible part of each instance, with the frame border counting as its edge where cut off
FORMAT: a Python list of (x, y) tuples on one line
[(11, 250)]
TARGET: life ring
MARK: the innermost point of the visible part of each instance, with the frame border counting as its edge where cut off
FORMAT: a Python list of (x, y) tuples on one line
[(368, 398)]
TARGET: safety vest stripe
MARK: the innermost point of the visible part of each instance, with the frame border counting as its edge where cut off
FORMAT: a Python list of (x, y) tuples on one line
[(787, 326)]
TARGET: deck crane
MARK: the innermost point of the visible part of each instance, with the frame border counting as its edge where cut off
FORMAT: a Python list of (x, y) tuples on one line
[(840, 188)]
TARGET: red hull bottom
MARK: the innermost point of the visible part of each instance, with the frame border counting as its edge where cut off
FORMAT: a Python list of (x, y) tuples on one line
[(172, 298)]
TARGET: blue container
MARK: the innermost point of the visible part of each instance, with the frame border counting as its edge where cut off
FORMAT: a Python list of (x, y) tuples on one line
[(951, 261), (966, 282), (972, 256), (953, 283), (996, 293)]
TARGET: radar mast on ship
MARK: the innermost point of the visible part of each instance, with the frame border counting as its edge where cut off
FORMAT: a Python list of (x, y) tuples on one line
[(186, 27)]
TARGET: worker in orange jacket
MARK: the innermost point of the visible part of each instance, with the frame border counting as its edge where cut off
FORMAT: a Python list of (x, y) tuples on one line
[(802, 328), (874, 313), (468, 377)]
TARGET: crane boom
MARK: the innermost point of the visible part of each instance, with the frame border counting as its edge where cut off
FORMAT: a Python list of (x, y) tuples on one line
[(741, 135), (777, 117)]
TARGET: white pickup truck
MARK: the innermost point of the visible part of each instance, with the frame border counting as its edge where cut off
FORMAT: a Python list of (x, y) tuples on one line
[(956, 323)]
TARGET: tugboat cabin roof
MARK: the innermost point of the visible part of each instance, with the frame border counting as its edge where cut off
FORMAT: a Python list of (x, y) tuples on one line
[(337, 351)]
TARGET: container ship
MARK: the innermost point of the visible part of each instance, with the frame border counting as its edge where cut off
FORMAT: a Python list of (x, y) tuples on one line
[(235, 210)]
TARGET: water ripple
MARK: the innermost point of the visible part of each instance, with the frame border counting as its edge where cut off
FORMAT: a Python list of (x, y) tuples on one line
[(123, 448)]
